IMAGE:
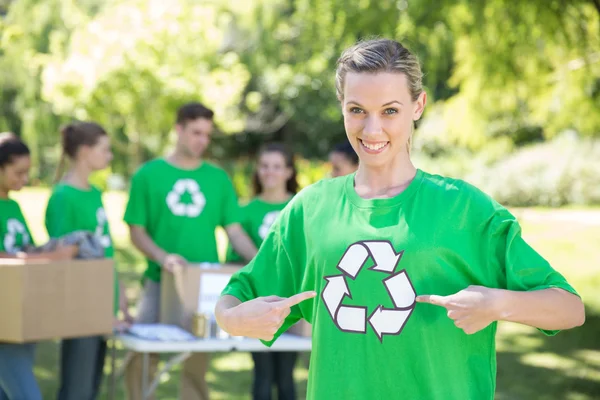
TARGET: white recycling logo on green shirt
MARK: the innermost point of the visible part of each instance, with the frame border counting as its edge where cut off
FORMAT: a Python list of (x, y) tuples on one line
[(14, 228), (101, 227), (383, 321), (268, 220), (180, 208)]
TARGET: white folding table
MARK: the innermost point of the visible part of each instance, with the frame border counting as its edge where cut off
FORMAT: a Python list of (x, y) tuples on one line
[(184, 349)]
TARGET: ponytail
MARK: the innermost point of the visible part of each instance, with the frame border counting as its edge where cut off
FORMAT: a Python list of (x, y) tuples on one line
[(65, 134)]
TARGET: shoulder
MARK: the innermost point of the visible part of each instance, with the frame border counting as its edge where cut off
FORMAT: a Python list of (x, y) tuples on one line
[(150, 167), (323, 187), (214, 170), (11, 206), (250, 204), (313, 195), (460, 197)]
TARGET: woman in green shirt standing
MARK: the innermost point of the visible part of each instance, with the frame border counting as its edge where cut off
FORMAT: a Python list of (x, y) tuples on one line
[(75, 205), (17, 380), (403, 274), (274, 184)]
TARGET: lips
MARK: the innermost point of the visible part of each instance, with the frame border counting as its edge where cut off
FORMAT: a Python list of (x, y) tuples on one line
[(373, 147)]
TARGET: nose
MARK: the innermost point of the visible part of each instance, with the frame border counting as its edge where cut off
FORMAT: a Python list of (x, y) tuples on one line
[(373, 126)]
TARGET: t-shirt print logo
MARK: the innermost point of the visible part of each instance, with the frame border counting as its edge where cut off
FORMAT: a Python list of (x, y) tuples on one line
[(181, 209), (101, 227), (353, 319), (14, 228), (268, 220)]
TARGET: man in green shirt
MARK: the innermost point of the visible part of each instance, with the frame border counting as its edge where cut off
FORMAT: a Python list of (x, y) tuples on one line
[(175, 205)]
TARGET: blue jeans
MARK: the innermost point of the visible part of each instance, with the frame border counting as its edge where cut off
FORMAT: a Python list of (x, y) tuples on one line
[(274, 369), (81, 368), (17, 381)]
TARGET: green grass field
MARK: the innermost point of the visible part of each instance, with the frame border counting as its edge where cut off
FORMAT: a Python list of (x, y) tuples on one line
[(530, 365)]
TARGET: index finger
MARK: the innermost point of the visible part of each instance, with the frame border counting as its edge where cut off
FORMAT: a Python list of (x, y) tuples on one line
[(296, 299), (432, 299)]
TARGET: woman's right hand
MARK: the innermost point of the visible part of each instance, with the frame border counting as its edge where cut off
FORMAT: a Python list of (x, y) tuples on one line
[(262, 317)]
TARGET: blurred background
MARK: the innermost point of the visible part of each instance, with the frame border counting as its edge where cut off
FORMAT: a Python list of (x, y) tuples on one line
[(514, 108)]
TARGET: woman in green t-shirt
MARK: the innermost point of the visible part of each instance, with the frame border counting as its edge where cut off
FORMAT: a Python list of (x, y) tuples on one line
[(16, 360), (76, 205), (412, 270), (274, 183)]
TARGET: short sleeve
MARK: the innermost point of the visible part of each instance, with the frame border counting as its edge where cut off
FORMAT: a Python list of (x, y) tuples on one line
[(136, 211), (271, 272), (230, 213), (60, 218), (521, 268)]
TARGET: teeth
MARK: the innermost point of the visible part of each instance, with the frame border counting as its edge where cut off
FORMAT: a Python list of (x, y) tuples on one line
[(374, 146)]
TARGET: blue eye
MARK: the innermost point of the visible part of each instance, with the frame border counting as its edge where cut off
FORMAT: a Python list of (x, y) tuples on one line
[(356, 110), (390, 111)]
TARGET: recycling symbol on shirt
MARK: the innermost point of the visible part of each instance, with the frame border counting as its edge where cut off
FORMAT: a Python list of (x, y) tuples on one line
[(384, 321), (15, 227), (268, 220), (182, 209), (100, 228)]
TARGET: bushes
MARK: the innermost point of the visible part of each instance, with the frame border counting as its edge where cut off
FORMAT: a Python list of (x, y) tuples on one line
[(563, 171)]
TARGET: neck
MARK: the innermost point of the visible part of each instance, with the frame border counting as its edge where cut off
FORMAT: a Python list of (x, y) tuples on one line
[(78, 176), (275, 195), (183, 161), (3, 193), (385, 181)]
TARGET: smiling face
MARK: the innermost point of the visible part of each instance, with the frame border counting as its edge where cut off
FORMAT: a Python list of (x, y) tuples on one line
[(272, 171), (378, 116)]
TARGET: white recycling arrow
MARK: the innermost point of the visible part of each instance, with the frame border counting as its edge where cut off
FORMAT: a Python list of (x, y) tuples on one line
[(353, 259), (400, 289), (387, 321), (384, 255), (334, 292), (352, 319), (384, 321)]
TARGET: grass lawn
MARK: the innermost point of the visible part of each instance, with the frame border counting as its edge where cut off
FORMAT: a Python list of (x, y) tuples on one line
[(530, 365)]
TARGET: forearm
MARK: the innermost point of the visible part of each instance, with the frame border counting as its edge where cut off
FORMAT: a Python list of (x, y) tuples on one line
[(224, 304), (144, 243), (242, 244), (549, 309)]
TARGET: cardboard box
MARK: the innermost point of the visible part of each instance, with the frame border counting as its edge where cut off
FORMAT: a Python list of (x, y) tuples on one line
[(43, 300), (190, 290)]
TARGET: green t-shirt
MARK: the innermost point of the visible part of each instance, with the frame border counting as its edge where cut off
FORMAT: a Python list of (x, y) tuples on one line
[(258, 216), (180, 209), (72, 209), (367, 259), (14, 233)]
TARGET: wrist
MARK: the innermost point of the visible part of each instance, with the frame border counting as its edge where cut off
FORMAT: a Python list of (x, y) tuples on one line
[(502, 304), (160, 257), (227, 321)]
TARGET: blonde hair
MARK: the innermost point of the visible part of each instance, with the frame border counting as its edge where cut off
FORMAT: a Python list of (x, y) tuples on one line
[(380, 55)]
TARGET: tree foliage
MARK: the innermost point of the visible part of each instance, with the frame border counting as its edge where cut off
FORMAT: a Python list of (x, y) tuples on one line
[(496, 70)]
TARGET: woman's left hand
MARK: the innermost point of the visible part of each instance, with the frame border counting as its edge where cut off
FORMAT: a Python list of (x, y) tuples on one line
[(472, 309)]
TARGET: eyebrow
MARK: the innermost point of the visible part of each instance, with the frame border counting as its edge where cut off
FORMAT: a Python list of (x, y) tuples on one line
[(384, 105)]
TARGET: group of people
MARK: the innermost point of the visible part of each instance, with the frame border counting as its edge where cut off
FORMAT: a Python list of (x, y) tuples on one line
[(175, 204), (446, 262)]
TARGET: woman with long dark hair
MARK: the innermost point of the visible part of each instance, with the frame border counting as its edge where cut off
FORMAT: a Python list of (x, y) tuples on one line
[(274, 183)]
